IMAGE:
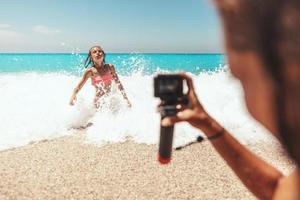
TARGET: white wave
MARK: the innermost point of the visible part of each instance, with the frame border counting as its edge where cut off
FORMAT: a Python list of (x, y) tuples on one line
[(35, 107)]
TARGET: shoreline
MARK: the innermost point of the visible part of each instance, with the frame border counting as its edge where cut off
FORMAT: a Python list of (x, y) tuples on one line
[(68, 168)]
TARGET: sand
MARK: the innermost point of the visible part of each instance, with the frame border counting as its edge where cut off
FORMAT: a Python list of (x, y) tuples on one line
[(69, 168)]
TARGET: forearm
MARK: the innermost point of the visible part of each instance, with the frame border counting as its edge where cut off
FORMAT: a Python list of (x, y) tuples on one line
[(121, 88), (258, 176), (124, 94), (76, 90)]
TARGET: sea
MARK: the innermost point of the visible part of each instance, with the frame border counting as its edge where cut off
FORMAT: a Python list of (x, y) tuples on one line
[(35, 89)]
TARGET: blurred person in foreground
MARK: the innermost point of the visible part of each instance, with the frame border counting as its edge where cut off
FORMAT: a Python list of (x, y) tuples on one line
[(262, 40)]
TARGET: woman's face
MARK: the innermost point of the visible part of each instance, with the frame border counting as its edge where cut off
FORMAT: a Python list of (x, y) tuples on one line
[(258, 87), (97, 55)]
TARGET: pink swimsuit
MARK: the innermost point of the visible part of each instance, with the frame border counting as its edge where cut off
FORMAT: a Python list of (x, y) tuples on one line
[(105, 79)]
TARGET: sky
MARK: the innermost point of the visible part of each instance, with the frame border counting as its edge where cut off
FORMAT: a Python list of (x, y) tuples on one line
[(153, 26)]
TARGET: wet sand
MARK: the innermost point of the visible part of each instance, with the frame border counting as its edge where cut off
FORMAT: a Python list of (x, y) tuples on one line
[(68, 168)]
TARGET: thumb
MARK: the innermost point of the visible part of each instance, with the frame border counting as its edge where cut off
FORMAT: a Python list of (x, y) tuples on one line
[(185, 115), (181, 116), (169, 121)]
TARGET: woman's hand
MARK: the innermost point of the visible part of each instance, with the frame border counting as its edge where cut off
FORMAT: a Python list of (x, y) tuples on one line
[(72, 99), (194, 113), (128, 103)]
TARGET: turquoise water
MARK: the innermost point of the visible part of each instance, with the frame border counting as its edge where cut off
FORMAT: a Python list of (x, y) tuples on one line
[(124, 63)]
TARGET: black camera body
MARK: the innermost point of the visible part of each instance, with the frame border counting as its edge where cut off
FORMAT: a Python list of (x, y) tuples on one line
[(169, 88)]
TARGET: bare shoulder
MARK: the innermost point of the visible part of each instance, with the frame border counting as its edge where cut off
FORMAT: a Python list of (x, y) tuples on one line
[(289, 187), (88, 72), (111, 67)]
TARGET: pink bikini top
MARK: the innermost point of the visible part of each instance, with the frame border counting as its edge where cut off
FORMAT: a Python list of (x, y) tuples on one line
[(105, 79)]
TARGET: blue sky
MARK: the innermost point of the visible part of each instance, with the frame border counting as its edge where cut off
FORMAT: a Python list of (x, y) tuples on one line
[(117, 25)]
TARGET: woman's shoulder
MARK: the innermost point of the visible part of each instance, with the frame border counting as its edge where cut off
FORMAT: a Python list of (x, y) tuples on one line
[(89, 72), (111, 67)]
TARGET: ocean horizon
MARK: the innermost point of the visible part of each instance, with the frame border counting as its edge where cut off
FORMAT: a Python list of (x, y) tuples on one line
[(73, 62)]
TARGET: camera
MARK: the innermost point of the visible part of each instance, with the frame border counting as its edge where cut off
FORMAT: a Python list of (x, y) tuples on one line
[(169, 88)]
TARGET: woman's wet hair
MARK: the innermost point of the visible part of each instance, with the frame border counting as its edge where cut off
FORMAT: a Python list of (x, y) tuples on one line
[(89, 61), (271, 29)]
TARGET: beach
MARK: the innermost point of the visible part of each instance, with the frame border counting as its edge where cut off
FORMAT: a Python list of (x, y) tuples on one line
[(70, 168)]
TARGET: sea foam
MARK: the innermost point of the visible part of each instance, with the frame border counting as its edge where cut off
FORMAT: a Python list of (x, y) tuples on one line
[(34, 106)]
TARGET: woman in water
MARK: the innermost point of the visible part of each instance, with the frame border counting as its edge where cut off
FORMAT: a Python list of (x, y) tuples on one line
[(102, 76)]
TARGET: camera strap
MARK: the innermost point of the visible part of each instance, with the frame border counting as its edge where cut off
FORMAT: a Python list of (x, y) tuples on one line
[(199, 139)]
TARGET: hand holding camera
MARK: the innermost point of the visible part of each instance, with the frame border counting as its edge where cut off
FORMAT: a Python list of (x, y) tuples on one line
[(169, 88), (176, 107), (192, 112)]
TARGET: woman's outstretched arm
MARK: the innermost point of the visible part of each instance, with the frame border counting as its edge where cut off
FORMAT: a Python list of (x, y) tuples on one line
[(258, 176), (86, 75), (120, 86)]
